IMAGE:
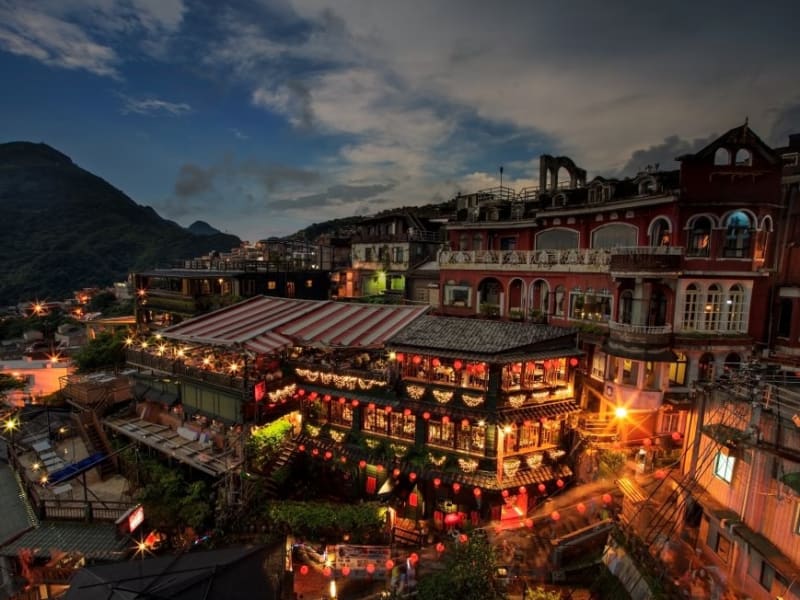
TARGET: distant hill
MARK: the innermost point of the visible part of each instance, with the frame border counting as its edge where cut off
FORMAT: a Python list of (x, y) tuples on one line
[(203, 228), (65, 228)]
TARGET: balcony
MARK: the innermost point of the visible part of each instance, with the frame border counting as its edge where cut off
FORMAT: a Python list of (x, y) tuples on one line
[(658, 260), (576, 260), (650, 335)]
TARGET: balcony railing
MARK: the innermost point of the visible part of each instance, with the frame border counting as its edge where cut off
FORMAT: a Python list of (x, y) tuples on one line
[(615, 326), (595, 260), (646, 258), (649, 335)]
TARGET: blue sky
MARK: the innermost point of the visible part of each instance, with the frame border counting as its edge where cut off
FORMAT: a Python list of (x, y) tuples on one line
[(262, 117)]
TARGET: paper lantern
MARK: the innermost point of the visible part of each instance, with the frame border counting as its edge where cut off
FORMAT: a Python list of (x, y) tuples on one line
[(647, 442), (529, 523), (440, 547), (542, 488), (417, 359), (345, 570), (456, 487), (547, 364), (327, 397), (457, 364), (465, 422), (387, 410), (342, 400), (676, 435), (412, 476), (407, 412), (607, 498), (463, 538), (451, 519), (581, 508), (516, 368), (573, 362), (371, 406), (313, 396), (315, 451), (396, 472), (480, 369), (426, 415), (301, 392), (326, 571), (477, 492), (414, 558), (560, 483), (379, 468), (555, 515), (302, 447), (370, 568), (389, 564), (304, 570), (343, 459), (523, 490), (400, 357), (328, 455), (354, 403), (660, 474), (362, 464), (504, 493), (436, 362), (437, 482), (445, 420)]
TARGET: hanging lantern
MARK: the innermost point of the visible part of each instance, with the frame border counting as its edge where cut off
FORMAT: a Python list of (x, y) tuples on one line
[(560, 483), (542, 488), (407, 412), (315, 451), (342, 400), (529, 523), (606, 498), (516, 368), (436, 362), (547, 364), (477, 492), (326, 571), (400, 357), (343, 459), (389, 564), (414, 558), (327, 397), (676, 436), (412, 476), (463, 538), (362, 464), (302, 447), (465, 422), (396, 472), (313, 396), (387, 410), (581, 508), (573, 362), (426, 415), (437, 482), (523, 490), (345, 570), (456, 487), (370, 568), (301, 392), (354, 403), (328, 455), (417, 359), (660, 474), (480, 368), (457, 364), (445, 420), (371, 406), (555, 515), (504, 493), (440, 547), (304, 570), (379, 468), (647, 442)]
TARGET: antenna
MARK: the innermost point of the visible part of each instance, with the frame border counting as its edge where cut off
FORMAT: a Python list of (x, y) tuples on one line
[(501, 175)]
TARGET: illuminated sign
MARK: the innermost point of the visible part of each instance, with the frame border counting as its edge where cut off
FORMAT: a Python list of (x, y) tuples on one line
[(135, 518)]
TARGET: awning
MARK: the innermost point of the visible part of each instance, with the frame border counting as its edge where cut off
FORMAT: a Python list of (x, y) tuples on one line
[(269, 324), (548, 410), (648, 354)]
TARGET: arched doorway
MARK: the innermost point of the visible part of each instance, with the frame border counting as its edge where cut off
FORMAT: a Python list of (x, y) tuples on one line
[(490, 296)]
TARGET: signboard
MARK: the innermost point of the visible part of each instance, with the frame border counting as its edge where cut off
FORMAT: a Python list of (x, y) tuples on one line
[(136, 518)]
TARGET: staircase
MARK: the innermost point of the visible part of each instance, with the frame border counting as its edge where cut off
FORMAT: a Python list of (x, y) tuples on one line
[(284, 457), (96, 441)]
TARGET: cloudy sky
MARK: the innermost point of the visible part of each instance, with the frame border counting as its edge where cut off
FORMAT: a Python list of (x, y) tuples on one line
[(264, 116)]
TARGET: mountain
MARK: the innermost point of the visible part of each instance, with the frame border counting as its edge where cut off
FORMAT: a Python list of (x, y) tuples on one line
[(202, 228), (66, 228)]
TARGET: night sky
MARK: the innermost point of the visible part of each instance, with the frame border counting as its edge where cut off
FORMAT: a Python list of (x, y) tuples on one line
[(264, 117)]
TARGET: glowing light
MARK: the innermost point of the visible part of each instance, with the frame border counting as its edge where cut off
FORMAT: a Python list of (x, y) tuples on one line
[(621, 412)]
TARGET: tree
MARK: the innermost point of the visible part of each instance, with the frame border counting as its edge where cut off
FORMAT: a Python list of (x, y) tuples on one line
[(468, 574), (8, 383), (540, 593), (106, 351)]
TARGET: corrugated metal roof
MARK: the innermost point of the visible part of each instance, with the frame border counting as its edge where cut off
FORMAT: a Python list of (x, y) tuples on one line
[(267, 324), (95, 541)]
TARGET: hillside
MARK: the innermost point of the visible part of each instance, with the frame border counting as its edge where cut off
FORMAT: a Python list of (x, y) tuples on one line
[(65, 228)]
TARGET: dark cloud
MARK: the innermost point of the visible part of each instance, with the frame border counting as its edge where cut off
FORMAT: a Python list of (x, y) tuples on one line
[(194, 180), (663, 154), (335, 195)]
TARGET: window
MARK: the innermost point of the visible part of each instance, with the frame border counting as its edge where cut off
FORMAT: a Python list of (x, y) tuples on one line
[(398, 254), (341, 413), (402, 425), (440, 433), (541, 297), (309, 283), (463, 241), (699, 237), (614, 236), (677, 370), (723, 466), (590, 306), (369, 255), (722, 157), (556, 239), (457, 295), (651, 379), (477, 241), (705, 368), (626, 307), (670, 422), (738, 233), (743, 158), (630, 371), (560, 297), (735, 306), (271, 285), (660, 233), (732, 362), (690, 306), (712, 308), (508, 243), (785, 318), (767, 576), (599, 364)]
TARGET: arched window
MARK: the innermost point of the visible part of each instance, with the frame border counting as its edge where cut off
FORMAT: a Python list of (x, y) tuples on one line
[(626, 307), (699, 237), (477, 241), (540, 300), (614, 236), (722, 157), (690, 306), (735, 305), (738, 231), (732, 362), (561, 296), (743, 158), (463, 241), (713, 307), (660, 232), (677, 370), (705, 368), (556, 239), (648, 186)]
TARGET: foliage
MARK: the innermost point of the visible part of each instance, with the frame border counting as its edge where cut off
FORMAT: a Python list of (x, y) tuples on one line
[(468, 574), (490, 310), (323, 520), (611, 464), (106, 351), (539, 593), (9, 382), (265, 442)]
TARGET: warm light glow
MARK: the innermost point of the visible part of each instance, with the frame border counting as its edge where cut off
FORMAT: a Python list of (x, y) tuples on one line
[(129, 341), (332, 590), (621, 412), (43, 480), (392, 356), (141, 292), (11, 424), (144, 344), (36, 466)]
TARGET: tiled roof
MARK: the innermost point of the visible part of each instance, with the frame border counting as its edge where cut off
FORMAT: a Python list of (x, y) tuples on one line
[(548, 410), (95, 541), (17, 515), (479, 336)]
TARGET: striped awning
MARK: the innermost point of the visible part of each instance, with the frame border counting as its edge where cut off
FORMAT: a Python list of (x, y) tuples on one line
[(265, 324)]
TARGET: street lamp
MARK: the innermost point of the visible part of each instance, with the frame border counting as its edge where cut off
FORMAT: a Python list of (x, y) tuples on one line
[(11, 425)]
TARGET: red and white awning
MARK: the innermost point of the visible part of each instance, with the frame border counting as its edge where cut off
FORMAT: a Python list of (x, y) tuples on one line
[(266, 324)]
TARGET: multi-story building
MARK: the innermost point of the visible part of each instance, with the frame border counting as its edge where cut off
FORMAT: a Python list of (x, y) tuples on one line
[(659, 272)]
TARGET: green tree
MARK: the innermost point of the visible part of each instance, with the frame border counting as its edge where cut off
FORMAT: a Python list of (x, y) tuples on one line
[(468, 574), (106, 351), (8, 383), (540, 593)]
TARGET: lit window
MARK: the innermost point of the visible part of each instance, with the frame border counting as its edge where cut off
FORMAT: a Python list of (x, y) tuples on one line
[(723, 466), (699, 237), (271, 285), (309, 283), (735, 307), (713, 307), (690, 306), (738, 232)]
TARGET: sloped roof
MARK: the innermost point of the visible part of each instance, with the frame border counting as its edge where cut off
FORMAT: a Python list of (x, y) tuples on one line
[(480, 336), (95, 541), (267, 324), (738, 136)]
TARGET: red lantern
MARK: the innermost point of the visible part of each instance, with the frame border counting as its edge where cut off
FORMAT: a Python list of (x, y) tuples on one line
[(354, 403), (389, 564), (342, 400), (343, 459), (465, 422), (445, 420), (407, 412), (370, 568), (426, 415), (301, 392), (414, 558), (371, 406), (379, 468), (456, 487), (581, 508), (326, 571), (412, 476), (676, 435), (440, 547), (362, 464), (647, 442), (387, 410), (504, 493), (437, 482), (529, 523), (560, 483), (660, 474), (313, 396), (457, 364), (315, 451), (436, 362), (542, 488), (523, 490), (328, 455), (555, 515), (304, 570), (573, 362), (400, 357), (345, 570), (396, 472), (477, 492), (302, 447), (417, 359), (480, 369), (516, 368), (463, 538), (327, 397), (547, 364), (607, 498)]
